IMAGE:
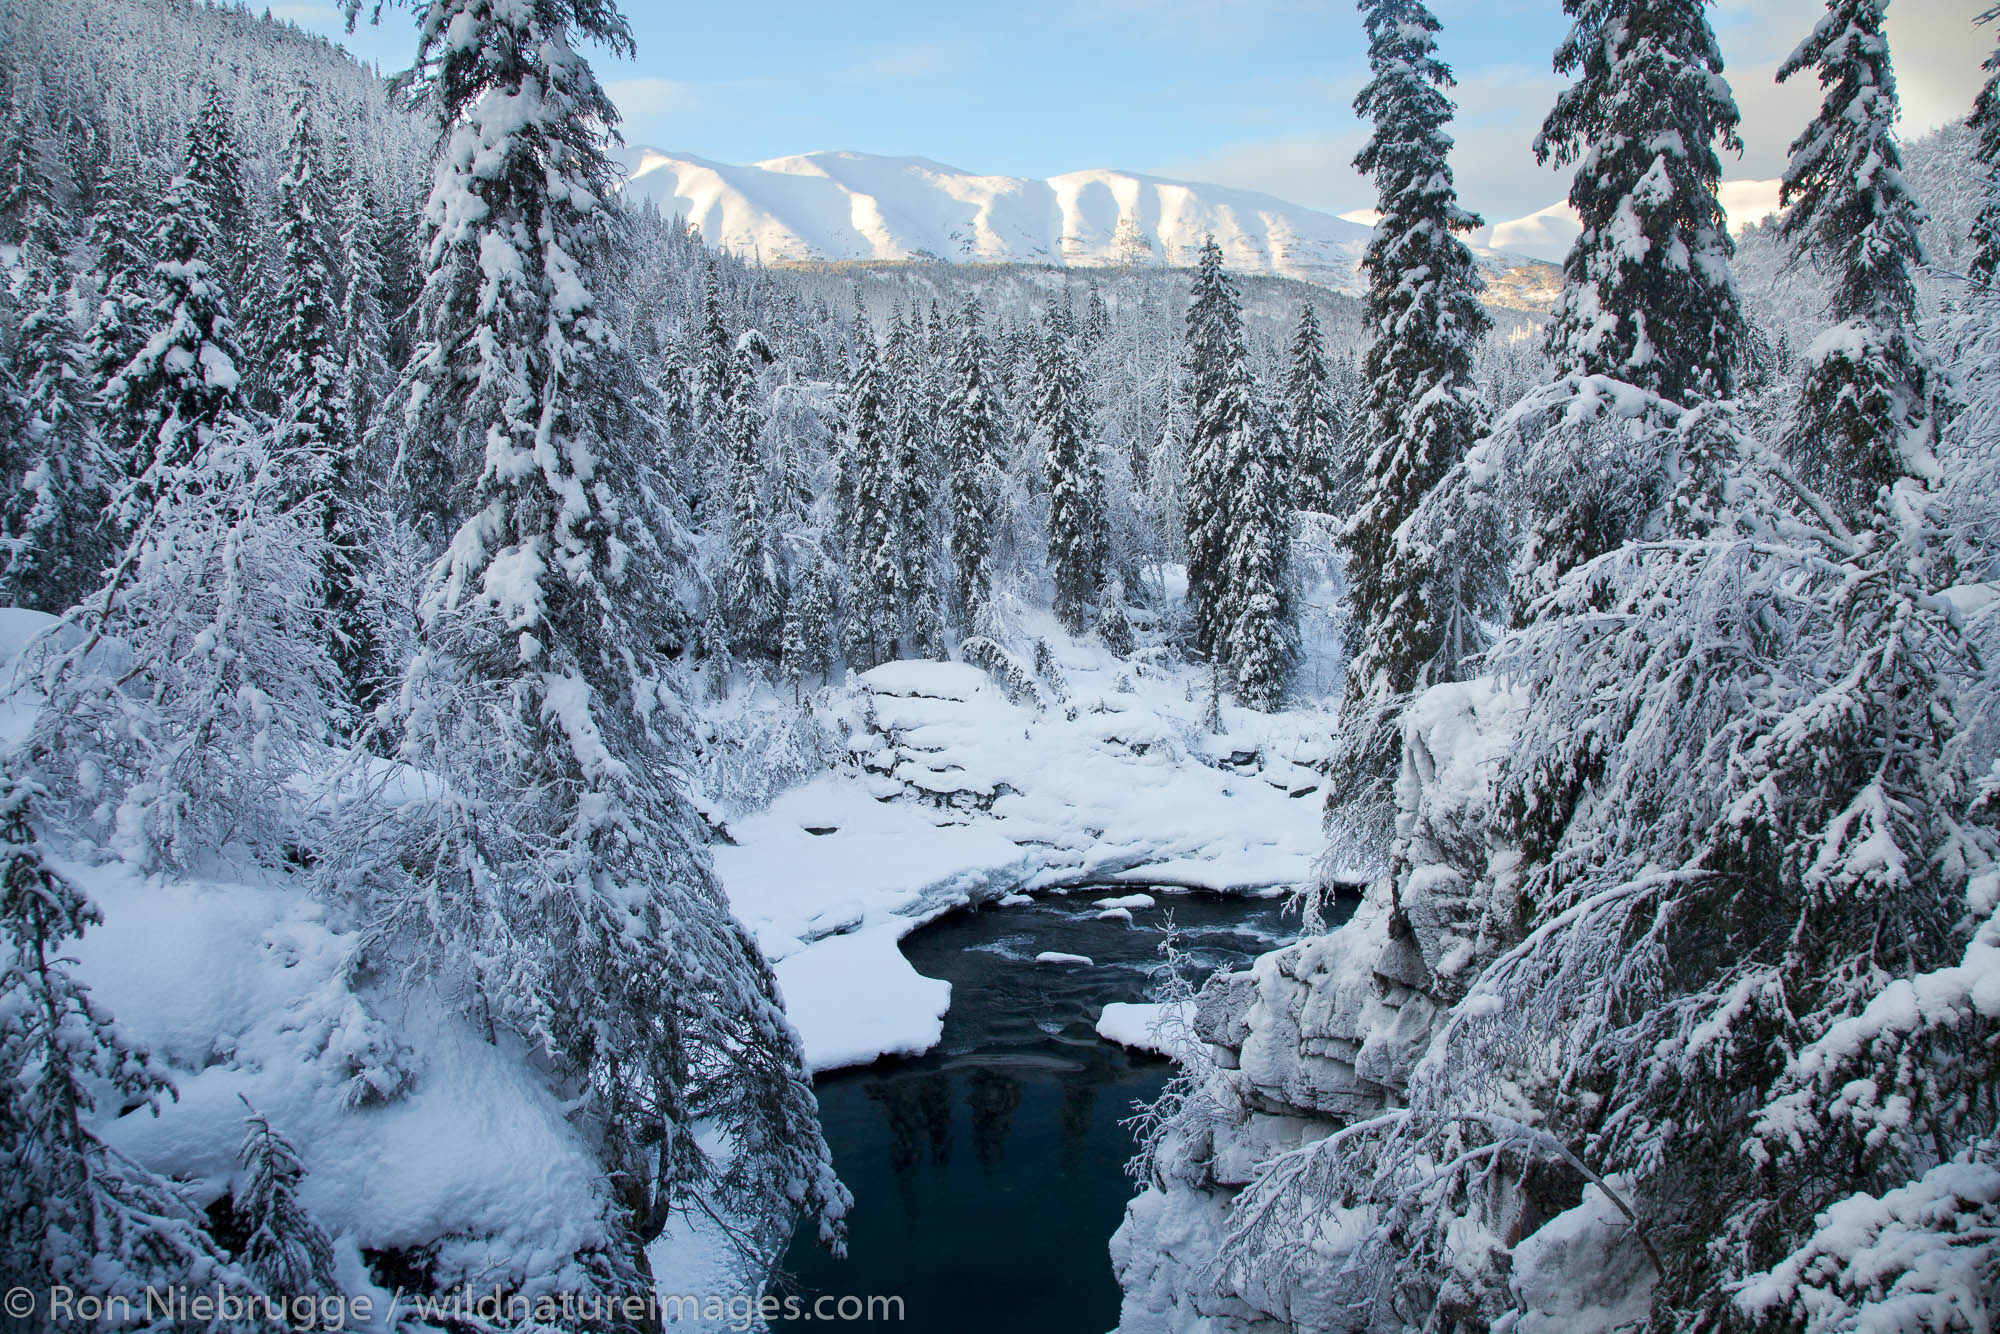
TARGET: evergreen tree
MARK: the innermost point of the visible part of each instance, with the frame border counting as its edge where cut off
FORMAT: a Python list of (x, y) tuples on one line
[(1260, 640), (1984, 122), (808, 636), (123, 271), (1867, 416), (1072, 472), (1647, 293), (215, 166), (1237, 498), (913, 429), (317, 453), (288, 1252), (72, 1211), (556, 882), (55, 543), (364, 336), (229, 659), (872, 561), (1410, 625), (1313, 415), (972, 447), (1214, 355), (753, 592)]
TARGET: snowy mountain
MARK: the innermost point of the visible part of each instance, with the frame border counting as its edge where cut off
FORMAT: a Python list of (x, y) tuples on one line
[(838, 206)]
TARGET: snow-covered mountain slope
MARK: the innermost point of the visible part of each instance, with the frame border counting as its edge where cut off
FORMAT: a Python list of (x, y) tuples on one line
[(854, 206), (1548, 233)]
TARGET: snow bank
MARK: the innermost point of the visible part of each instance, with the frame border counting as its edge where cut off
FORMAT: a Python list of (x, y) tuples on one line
[(240, 992), (855, 998)]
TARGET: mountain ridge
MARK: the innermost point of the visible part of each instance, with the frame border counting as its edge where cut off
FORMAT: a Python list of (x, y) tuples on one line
[(838, 206)]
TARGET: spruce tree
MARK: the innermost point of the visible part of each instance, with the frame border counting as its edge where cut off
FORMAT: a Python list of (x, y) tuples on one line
[(215, 166), (204, 595), (1072, 472), (72, 1211), (316, 450), (913, 430), (1237, 498), (55, 542), (809, 632), (1647, 293), (1213, 353), (1260, 635), (556, 883), (753, 590), (873, 567), (1422, 409), (287, 1251), (1867, 416), (122, 275), (972, 446), (1314, 418), (1984, 122)]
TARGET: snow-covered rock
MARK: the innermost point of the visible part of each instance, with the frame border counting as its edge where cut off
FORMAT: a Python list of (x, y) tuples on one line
[(855, 998), (1153, 1026), (1329, 1029)]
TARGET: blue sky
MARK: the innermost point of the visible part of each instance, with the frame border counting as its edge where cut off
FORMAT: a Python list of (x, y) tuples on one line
[(1251, 93)]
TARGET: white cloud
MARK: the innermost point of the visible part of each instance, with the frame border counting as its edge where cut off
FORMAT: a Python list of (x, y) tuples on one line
[(907, 60), (648, 96)]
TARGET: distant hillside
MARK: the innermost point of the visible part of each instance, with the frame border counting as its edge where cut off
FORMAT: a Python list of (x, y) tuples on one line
[(836, 207)]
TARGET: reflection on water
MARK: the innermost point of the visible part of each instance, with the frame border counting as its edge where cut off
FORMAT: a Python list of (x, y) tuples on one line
[(989, 1175)]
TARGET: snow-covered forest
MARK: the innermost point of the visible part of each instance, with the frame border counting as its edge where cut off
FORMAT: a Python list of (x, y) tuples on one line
[(488, 679)]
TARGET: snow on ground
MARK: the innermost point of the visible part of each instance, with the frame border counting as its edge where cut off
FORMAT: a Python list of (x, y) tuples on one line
[(954, 794), (240, 992)]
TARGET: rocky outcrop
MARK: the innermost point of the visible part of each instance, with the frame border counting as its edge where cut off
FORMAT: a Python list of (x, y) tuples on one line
[(1326, 1031)]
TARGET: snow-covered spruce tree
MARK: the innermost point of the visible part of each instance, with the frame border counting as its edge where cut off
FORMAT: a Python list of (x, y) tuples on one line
[(55, 542), (1866, 417), (1213, 353), (913, 431), (1261, 641), (869, 465), (364, 330), (1071, 471), (1649, 300), (752, 579), (315, 450), (187, 745), (122, 279), (215, 166), (553, 883), (1314, 418), (72, 1210), (809, 633), (972, 447), (709, 355), (1237, 497), (1412, 621), (1984, 123), (1648, 297), (283, 1246)]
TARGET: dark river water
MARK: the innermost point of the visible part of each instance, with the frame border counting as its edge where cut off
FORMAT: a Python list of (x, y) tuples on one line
[(988, 1176)]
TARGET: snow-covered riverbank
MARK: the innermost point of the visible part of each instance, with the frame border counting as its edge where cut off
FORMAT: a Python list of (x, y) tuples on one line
[(953, 793)]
